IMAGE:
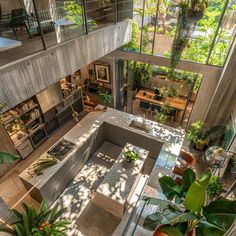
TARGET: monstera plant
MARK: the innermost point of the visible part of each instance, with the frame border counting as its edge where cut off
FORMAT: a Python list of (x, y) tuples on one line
[(186, 209)]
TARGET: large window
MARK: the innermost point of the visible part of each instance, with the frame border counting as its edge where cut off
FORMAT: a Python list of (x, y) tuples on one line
[(155, 26)]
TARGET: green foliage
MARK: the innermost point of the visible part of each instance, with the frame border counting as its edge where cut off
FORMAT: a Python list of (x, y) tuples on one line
[(194, 134), (162, 115), (133, 45), (131, 156), (142, 72), (106, 97), (42, 222), (215, 187), (213, 218), (7, 158), (74, 12), (195, 197)]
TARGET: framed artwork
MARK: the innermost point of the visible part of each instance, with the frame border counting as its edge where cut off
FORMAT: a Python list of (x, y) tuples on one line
[(102, 73)]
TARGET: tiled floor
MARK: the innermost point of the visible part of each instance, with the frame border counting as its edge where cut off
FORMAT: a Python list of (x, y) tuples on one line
[(11, 187)]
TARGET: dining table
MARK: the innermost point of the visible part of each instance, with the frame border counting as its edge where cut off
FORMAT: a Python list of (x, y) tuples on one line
[(176, 102), (6, 43)]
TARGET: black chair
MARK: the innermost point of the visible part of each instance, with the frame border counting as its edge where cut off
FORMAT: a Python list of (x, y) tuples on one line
[(155, 108), (172, 113), (144, 105), (4, 25), (19, 19)]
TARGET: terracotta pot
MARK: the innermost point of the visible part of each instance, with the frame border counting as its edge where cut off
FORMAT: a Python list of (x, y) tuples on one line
[(158, 232)]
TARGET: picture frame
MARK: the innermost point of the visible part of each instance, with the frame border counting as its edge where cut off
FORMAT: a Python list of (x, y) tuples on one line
[(102, 73)]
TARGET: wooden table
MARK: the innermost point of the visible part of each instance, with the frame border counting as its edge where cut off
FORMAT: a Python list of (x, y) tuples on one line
[(117, 188), (6, 44), (176, 103)]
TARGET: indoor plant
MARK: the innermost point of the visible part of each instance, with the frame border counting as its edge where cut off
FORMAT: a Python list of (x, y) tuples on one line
[(191, 212), (33, 222), (106, 97), (190, 12), (215, 187), (199, 137), (130, 156)]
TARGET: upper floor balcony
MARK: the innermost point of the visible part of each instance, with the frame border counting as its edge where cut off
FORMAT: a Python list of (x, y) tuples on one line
[(30, 26)]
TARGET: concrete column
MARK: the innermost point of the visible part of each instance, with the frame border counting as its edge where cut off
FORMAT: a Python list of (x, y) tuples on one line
[(224, 97)]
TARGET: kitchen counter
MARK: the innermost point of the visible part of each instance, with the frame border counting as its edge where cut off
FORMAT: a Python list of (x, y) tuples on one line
[(171, 137), (162, 142)]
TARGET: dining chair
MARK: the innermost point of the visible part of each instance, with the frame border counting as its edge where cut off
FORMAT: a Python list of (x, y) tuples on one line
[(172, 114), (155, 108), (144, 105), (4, 25), (19, 19)]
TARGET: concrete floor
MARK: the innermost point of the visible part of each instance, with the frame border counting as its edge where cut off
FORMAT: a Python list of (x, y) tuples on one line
[(11, 187), (86, 219)]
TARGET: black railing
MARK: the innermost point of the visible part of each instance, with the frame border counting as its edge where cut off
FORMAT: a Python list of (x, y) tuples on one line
[(61, 23)]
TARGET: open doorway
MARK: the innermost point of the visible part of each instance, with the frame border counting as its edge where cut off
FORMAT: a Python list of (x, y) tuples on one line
[(156, 93)]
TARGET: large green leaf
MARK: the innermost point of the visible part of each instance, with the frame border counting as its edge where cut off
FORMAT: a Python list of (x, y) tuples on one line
[(169, 187), (152, 221), (196, 194), (7, 158), (209, 229), (170, 230), (221, 213), (188, 178)]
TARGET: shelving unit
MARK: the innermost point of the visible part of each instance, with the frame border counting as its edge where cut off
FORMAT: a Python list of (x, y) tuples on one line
[(28, 126)]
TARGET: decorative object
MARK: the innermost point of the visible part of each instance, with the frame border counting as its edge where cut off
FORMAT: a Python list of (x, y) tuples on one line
[(42, 222), (102, 73), (75, 114), (130, 156), (41, 164), (189, 211)]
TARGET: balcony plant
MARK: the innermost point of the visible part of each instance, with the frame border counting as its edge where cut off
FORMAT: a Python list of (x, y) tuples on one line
[(41, 222), (190, 12), (191, 212)]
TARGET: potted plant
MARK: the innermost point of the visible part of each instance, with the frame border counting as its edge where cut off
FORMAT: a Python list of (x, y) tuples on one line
[(130, 156), (106, 98), (186, 209), (37, 222), (215, 187), (194, 135)]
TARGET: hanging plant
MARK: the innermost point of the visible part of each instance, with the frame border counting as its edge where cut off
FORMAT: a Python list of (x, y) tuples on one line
[(190, 12)]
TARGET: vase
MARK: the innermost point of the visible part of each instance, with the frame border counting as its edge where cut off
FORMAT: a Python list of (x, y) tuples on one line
[(159, 233)]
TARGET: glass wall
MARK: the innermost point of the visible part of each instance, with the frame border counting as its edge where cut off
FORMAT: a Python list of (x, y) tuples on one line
[(28, 26), (18, 37), (208, 42)]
